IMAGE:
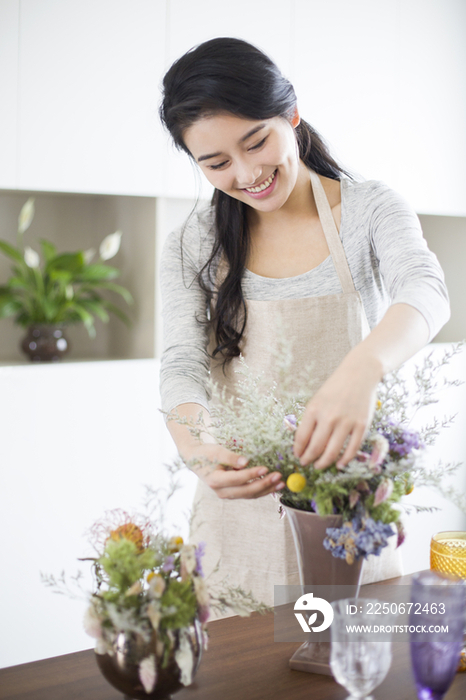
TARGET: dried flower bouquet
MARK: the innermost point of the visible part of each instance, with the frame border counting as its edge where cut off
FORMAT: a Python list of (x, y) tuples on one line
[(260, 424)]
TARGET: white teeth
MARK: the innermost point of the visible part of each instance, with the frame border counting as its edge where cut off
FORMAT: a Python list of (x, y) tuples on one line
[(264, 185)]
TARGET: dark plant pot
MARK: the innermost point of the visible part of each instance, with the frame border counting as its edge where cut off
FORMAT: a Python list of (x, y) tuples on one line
[(45, 343), (121, 668)]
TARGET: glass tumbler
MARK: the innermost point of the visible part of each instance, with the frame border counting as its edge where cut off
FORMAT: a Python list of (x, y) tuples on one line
[(436, 624), (448, 555), (359, 660)]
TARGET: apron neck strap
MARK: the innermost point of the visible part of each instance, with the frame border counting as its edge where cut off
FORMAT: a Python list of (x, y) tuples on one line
[(331, 235)]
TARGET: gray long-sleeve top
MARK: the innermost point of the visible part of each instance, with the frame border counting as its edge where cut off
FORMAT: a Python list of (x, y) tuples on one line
[(386, 252)]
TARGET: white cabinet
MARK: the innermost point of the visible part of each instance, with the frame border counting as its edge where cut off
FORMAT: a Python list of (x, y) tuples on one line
[(431, 119), (345, 80), (88, 96), (385, 83), (9, 37)]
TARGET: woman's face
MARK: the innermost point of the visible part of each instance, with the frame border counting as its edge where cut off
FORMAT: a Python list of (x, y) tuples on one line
[(256, 162)]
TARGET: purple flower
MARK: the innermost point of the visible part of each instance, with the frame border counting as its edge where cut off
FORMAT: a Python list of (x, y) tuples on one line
[(402, 441), (199, 553), (358, 538), (290, 422), (169, 564)]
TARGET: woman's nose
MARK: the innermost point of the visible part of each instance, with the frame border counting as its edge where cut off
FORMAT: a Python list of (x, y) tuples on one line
[(247, 175)]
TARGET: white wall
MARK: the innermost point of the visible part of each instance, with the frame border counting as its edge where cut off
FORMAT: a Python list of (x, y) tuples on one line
[(77, 439)]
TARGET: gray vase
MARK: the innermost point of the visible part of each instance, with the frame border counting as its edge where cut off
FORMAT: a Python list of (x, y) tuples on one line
[(317, 567)]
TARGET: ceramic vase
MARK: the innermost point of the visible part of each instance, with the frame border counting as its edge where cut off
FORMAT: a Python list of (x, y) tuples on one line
[(121, 668), (45, 343), (317, 567)]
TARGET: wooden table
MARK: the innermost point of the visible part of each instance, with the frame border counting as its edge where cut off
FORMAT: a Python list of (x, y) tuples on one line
[(242, 663)]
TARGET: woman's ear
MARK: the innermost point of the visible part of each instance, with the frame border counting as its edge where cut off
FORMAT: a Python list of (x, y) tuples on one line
[(295, 119)]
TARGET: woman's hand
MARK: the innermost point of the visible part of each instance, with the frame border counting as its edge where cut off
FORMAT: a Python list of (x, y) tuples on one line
[(225, 473), (343, 407), (338, 416)]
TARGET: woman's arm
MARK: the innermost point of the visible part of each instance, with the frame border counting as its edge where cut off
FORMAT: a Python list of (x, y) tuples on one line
[(344, 406), (222, 470)]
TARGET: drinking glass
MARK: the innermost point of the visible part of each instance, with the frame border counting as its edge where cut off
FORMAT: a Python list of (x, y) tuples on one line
[(359, 659), (436, 624), (448, 555)]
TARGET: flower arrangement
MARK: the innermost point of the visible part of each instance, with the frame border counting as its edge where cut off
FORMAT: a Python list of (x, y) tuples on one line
[(260, 422), (66, 289), (151, 585)]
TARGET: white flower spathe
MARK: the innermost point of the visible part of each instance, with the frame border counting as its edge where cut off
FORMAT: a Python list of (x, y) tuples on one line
[(31, 258), (110, 246), (184, 659), (26, 215), (148, 673), (88, 255)]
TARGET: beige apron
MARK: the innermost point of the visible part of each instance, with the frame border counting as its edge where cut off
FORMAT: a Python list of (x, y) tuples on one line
[(246, 540)]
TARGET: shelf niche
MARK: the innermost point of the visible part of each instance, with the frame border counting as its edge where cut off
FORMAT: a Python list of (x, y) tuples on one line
[(79, 222)]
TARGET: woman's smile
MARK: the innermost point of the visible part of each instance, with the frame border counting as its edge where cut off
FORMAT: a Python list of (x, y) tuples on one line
[(264, 188)]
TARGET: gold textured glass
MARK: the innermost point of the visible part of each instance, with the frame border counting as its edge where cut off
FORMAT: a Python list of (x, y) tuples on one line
[(448, 555)]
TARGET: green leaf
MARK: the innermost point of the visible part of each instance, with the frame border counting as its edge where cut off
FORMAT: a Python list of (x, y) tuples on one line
[(96, 308), (49, 251), (86, 317), (12, 252), (62, 276), (118, 289), (94, 273), (72, 262), (17, 283), (9, 306), (118, 312)]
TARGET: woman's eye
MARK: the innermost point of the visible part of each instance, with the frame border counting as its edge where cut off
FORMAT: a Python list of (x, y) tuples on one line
[(258, 145), (218, 165)]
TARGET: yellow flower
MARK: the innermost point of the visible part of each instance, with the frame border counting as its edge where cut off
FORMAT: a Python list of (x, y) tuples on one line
[(129, 531), (296, 482), (378, 405), (175, 543)]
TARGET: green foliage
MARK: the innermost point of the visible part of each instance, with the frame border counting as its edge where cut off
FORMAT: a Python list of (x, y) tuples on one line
[(181, 598), (124, 564)]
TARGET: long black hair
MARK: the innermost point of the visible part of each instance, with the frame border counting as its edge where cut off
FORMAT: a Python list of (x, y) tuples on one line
[(232, 76)]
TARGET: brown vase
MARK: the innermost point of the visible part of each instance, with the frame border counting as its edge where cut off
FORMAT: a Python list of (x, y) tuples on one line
[(45, 343), (318, 567), (121, 668)]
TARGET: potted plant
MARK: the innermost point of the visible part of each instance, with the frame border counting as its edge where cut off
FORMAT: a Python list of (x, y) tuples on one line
[(62, 289)]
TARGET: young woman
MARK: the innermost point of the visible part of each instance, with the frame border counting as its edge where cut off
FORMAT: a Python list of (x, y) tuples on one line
[(288, 234)]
